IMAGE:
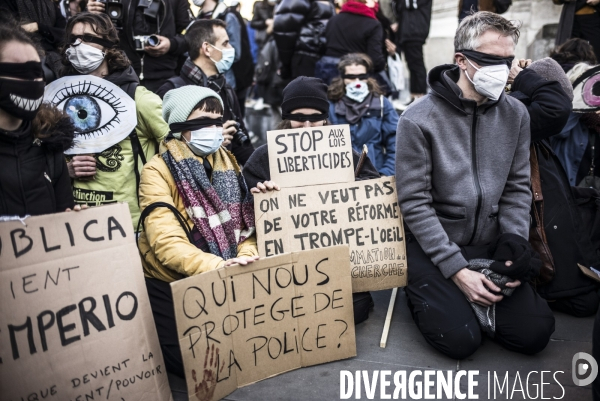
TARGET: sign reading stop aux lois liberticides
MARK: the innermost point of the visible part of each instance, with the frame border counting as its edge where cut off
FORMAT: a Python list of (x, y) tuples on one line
[(75, 320), (241, 324), (310, 156), (361, 214)]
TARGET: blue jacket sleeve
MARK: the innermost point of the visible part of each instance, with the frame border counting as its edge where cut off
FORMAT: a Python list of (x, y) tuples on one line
[(388, 133), (235, 34)]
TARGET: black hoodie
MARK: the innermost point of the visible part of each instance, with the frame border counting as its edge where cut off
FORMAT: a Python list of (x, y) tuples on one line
[(34, 179)]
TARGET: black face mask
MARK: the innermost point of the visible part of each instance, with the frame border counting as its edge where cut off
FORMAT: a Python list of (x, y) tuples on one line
[(362, 77), (18, 97), (484, 59), (195, 124), (304, 117)]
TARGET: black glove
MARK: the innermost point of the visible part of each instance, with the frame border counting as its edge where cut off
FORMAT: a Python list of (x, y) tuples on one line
[(526, 263)]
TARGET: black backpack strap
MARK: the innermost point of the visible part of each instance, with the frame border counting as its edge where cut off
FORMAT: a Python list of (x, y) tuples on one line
[(177, 82), (136, 146), (178, 216)]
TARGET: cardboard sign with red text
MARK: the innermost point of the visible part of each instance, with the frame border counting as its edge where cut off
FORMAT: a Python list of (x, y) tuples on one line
[(361, 214)]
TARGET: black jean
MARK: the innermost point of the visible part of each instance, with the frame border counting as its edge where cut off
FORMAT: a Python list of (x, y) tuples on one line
[(161, 302), (579, 305), (587, 27), (413, 51), (596, 354), (524, 322)]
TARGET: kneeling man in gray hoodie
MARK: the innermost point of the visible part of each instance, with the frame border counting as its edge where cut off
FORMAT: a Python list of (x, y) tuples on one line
[(462, 175)]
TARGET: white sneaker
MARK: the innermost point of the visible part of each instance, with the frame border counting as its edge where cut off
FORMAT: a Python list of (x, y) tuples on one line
[(260, 104)]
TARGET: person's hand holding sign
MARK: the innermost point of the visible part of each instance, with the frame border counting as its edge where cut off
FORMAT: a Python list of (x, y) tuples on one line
[(242, 260), (264, 187)]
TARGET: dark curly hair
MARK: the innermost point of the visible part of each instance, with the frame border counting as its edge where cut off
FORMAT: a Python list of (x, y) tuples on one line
[(574, 51), (102, 26), (337, 89)]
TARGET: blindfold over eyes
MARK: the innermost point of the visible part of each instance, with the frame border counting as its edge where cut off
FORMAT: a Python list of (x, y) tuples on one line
[(91, 39), (484, 59), (355, 76), (304, 117), (195, 124), (29, 70)]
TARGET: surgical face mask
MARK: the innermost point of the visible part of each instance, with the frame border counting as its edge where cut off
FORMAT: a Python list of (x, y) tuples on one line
[(85, 58), (357, 90), (489, 81), (205, 141), (226, 61), (198, 3)]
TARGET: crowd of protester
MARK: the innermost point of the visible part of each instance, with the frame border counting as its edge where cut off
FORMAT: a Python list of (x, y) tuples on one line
[(495, 158)]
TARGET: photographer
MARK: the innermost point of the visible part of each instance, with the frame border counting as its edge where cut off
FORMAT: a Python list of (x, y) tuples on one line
[(150, 35), (211, 55)]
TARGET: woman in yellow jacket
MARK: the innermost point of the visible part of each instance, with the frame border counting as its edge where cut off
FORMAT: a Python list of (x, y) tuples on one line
[(197, 212)]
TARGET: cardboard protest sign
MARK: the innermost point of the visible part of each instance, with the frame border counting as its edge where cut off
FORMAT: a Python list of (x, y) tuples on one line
[(310, 156), (102, 113), (75, 320), (362, 214), (241, 324)]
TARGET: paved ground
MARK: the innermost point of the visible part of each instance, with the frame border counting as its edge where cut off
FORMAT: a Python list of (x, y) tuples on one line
[(407, 350)]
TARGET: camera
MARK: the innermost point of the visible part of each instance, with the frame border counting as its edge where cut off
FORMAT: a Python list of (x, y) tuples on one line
[(239, 137), (114, 9), (142, 41)]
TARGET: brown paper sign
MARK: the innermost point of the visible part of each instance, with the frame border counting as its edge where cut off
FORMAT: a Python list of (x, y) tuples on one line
[(242, 324), (310, 156), (362, 214), (75, 320)]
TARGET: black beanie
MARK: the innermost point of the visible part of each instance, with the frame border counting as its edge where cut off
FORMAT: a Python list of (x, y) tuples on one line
[(305, 92)]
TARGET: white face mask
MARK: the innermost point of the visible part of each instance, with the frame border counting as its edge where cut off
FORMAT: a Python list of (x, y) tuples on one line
[(489, 81), (226, 61), (205, 141), (357, 90), (198, 3), (85, 58)]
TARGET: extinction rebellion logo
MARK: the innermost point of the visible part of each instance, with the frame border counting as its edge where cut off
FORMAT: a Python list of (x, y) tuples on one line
[(464, 385)]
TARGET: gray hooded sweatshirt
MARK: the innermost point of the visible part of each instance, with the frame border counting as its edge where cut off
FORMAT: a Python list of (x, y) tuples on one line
[(462, 170)]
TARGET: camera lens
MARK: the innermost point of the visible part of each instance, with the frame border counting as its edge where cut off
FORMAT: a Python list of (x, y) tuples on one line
[(239, 137), (153, 40)]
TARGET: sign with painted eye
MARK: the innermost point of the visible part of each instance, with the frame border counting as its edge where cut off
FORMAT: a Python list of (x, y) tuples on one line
[(103, 114), (586, 91)]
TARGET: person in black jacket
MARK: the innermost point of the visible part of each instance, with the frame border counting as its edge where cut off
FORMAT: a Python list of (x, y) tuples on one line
[(207, 40), (262, 21), (305, 104), (354, 30), (299, 27), (579, 19), (154, 64), (546, 91), (414, 19), (43, 21), (33, 179)]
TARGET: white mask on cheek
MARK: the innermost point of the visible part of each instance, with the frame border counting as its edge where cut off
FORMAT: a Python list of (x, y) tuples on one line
[(85, 58), (489, 81)]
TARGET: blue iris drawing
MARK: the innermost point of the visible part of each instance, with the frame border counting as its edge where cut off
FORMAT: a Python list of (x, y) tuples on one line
[(84, 112)]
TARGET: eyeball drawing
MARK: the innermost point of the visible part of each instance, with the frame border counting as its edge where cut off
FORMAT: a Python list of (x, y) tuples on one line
[(586, 91), (102, 113)]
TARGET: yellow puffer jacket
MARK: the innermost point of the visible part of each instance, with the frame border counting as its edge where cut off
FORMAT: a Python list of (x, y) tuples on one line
[(167, 253)]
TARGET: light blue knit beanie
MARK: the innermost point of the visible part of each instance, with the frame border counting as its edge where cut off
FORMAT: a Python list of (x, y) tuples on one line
[(179, 103)]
